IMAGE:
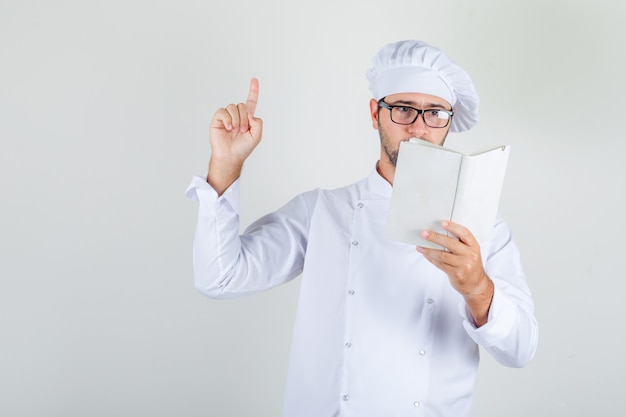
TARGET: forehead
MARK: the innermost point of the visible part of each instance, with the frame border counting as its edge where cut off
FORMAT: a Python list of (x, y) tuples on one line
[(417, 100)]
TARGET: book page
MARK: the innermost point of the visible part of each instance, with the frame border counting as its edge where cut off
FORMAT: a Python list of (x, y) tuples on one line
[(480, 186), (423, 191)]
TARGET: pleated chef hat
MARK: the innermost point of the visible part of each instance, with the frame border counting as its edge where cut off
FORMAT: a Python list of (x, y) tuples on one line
[(411, 66)]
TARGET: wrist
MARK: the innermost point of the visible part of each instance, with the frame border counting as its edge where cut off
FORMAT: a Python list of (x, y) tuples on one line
[(222, 173), (479, 302)]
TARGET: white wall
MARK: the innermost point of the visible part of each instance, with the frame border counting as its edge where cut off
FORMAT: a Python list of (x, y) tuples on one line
[(104, 114)]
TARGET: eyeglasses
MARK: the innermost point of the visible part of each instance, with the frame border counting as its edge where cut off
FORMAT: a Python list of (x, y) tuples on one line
[(405, 115)]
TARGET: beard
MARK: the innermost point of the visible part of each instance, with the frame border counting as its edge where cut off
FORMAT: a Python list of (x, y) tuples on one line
[(387, 146), (392, 150)]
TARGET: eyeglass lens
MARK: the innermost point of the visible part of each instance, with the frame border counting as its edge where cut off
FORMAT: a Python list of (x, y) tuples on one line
[(408, 115)]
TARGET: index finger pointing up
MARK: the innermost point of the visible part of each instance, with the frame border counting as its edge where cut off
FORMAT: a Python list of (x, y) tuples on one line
[(253, 96)]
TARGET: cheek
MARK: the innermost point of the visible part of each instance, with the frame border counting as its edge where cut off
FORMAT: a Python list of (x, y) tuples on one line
[(441, 137), (395, 130)]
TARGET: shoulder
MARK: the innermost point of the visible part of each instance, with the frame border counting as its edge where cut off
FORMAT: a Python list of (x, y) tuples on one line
[(311, 199), (501, 242), (353, 191)]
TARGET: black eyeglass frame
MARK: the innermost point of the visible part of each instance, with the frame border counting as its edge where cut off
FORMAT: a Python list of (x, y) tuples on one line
[(381, 103)]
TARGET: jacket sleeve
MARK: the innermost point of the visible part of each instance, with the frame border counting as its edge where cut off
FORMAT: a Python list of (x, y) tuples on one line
[(270, 252), (511, 333)]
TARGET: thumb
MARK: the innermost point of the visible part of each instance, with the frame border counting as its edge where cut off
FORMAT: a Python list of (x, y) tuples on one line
[(256, 127)]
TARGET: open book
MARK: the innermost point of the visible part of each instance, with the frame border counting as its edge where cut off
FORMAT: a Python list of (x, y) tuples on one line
[(433, 183)]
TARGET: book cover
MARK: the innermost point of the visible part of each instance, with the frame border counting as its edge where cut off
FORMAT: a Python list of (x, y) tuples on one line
[(433, 183)]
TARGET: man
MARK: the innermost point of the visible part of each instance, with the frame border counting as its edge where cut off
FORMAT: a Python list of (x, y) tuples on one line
[(382, 328)]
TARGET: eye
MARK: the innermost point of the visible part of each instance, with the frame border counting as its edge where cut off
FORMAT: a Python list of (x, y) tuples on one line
[(438, 114), (403, 109)]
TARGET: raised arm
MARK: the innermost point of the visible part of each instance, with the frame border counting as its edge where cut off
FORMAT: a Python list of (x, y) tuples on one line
[(234, 134)]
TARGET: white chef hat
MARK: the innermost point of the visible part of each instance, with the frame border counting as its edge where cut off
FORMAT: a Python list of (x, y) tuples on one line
[(411, 66)]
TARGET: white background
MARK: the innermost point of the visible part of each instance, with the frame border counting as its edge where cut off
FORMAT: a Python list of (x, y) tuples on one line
[(104, 115)]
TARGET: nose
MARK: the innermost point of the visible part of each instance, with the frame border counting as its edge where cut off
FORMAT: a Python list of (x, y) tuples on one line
[(418, 128)]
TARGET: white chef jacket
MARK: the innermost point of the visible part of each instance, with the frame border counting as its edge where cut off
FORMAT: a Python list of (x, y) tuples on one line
[(379, 330)]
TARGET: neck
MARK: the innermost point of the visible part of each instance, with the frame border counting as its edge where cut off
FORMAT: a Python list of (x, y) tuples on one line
[(386, 170)]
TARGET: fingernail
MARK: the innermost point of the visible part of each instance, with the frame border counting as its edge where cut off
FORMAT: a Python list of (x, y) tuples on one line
[(425, 233)]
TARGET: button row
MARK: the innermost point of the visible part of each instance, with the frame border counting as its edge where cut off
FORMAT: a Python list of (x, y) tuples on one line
[(347, 398), (349, 345)]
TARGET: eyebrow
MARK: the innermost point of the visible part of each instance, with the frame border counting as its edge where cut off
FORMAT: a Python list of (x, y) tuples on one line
[(412, 103)]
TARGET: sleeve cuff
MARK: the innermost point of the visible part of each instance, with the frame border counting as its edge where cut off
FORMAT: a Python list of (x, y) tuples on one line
[(501, 319), (201, 191)]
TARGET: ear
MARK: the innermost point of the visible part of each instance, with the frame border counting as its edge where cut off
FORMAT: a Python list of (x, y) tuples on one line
[(374, 113)]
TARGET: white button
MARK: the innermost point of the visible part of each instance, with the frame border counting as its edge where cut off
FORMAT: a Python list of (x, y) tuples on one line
[(355, 243), (360, 205), (345, 398), (416, 404), (422, 352), (430, 301), (348, 345), (351, 292)]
